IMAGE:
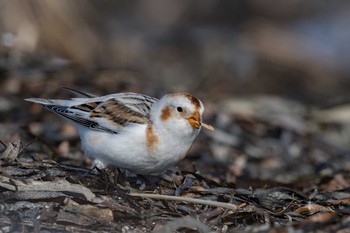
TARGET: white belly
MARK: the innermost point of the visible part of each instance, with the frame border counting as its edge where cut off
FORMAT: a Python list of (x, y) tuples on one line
[(128, 149)]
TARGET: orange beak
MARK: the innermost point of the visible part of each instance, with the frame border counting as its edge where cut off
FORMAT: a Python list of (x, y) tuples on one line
[(195, 121)]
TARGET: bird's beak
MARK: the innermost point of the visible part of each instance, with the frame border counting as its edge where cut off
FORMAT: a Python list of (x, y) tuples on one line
[(195, 121)]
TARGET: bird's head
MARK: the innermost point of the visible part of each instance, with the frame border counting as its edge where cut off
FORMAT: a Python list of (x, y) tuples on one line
[(180, 113)]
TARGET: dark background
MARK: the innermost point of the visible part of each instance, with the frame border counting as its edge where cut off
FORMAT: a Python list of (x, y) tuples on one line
[(295, 49)]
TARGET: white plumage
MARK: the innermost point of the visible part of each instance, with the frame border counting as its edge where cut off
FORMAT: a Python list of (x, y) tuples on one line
[(133, 131)]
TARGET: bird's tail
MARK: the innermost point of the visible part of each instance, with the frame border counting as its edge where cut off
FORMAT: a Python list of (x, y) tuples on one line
[(41, 101), (56, 102)]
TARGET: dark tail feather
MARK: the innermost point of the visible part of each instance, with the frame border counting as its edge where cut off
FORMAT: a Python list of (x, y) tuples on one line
[(80, 93)]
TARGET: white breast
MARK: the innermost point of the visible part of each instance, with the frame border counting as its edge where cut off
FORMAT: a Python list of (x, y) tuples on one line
[(128, 149)]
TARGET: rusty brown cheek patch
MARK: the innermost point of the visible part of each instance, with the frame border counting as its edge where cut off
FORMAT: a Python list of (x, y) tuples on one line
[(152, 138), (166, 113)]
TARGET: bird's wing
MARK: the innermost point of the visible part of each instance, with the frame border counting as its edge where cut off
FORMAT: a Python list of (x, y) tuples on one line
[(106, 113)]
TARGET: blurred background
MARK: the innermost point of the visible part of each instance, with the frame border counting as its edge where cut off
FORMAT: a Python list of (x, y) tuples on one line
[(228, 53), (295, 49)]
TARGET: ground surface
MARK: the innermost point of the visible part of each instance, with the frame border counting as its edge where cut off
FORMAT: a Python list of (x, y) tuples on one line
[(271, 165)]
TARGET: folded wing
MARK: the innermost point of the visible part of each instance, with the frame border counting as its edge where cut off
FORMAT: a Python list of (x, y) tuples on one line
[(106, 113)]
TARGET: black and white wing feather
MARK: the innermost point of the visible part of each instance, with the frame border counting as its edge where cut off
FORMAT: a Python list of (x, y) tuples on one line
[(107, 113)]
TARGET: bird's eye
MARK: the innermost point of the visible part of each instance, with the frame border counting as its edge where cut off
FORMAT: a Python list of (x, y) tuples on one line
[(179, 109)]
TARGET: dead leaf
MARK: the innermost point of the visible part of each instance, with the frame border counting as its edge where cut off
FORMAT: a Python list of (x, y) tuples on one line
[(321, 217), (311, 209), (12, 151)]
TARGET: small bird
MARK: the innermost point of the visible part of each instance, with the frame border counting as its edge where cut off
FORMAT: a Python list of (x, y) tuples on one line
[(133, 131)]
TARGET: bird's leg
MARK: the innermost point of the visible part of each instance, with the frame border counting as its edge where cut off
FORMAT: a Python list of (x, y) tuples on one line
[(105, 177), (91, 170), (121, 191)]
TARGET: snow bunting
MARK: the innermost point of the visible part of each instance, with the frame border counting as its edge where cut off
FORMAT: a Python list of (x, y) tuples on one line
[(133, 131)]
